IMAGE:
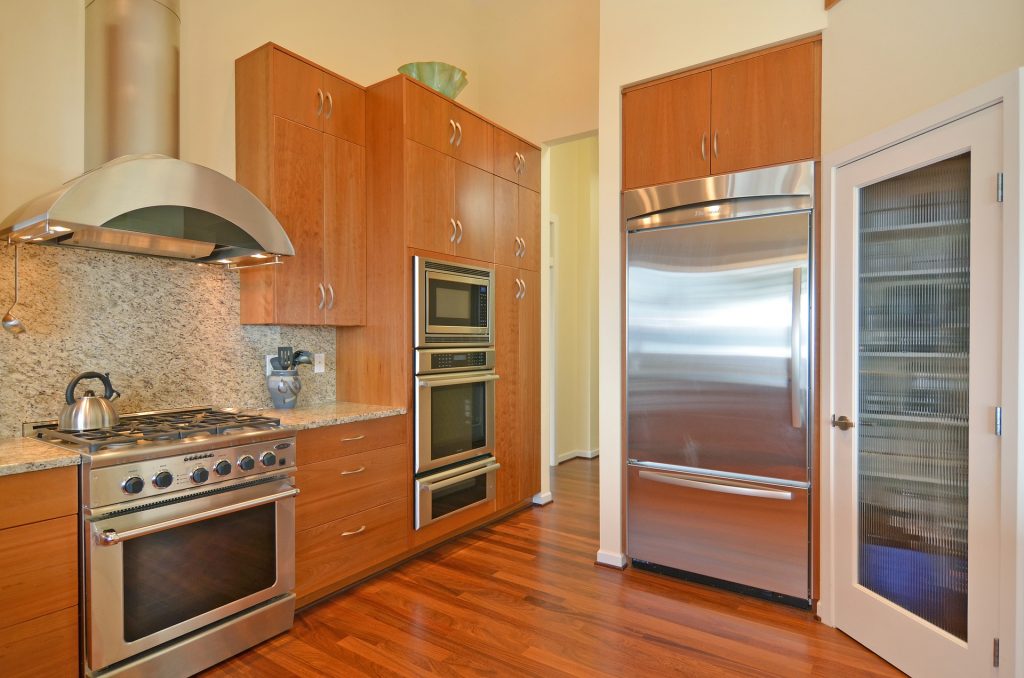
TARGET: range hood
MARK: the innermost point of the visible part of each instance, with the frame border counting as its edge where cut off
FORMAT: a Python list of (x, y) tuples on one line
[(139, 197)]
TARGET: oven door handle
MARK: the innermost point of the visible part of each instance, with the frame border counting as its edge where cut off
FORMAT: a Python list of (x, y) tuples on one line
[(428, 382), (112, 537), (441, 484)]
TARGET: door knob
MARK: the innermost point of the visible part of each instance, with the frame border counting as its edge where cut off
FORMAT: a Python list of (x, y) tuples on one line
[(842, 423)]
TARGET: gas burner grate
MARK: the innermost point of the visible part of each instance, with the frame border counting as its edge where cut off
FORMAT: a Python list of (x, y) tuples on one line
[(140, 429)]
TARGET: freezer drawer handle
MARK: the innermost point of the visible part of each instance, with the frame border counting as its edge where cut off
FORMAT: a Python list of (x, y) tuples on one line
[(716, 487)]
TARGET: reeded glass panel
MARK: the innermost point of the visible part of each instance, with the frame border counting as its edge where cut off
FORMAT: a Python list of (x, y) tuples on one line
[(914, 292)]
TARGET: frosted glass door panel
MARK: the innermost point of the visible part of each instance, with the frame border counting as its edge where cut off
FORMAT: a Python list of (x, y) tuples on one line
[(913, 359)]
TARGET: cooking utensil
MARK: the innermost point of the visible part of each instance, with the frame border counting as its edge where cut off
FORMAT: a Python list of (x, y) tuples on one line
[(302, 358), (90, 411), (275, 363), (10, 323), (284, 354)]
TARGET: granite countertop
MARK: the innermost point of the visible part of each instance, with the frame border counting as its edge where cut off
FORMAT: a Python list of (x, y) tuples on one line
[(21, 455)]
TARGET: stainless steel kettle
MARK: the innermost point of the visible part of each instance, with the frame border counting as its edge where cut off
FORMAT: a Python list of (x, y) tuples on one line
[(90, 411)]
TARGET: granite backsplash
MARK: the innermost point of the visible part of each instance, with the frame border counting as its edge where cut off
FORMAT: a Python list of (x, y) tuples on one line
[(167, 332)]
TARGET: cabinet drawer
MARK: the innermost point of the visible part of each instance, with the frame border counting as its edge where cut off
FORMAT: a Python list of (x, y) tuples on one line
[(40, 569), (340, 487), (319, 444), (330, 553), (46, 646), (38, 495)]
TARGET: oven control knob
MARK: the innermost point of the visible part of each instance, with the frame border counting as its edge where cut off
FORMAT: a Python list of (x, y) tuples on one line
[(223, 467), (199, 475), (247, 463), (163, 479), (133, 485), (268, 458)]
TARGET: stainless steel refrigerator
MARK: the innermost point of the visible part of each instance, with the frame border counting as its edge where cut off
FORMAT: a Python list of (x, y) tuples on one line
[(718, 386)]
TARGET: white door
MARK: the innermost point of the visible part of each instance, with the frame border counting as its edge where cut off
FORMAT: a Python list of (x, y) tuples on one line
[(917, 370)]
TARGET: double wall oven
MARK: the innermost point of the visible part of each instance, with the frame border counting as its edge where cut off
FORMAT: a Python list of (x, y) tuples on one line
[(454, 388)]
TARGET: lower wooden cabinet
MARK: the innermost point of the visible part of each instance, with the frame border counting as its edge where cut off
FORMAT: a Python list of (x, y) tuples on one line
[(44, 646), (329, 442), (329, 555)]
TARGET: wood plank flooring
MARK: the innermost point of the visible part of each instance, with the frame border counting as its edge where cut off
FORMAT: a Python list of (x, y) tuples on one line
[(523, 597)]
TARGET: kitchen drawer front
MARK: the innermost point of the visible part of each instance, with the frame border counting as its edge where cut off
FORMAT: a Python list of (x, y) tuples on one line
[(340, 487), (760, 541), (330, 553), (329, 442), (39, 563), (38, 495), (46, 646)]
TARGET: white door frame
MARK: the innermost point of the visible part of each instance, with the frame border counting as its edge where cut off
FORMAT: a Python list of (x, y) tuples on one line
[(1008, 90), (554, 229)]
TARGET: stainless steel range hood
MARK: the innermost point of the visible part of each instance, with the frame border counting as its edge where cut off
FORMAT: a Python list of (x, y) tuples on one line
[(139, 197)]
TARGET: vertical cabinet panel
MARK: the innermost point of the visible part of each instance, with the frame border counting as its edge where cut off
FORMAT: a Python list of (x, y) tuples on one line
[(344, 232), (528, 384), (295, 86), (428, 199), (345, 111), (529, 173), (506, 222), (473, 195), (506, 417), (665, 131), (427, 118), (529, 228), (298, 202), (763, 109), (506, 164)]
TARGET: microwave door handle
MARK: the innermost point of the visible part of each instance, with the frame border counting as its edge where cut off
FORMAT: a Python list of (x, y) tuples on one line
[(428, 382), (111, 537), (441, 484)]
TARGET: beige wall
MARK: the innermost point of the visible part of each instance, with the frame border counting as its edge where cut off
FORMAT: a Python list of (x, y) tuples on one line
[(573, 195)]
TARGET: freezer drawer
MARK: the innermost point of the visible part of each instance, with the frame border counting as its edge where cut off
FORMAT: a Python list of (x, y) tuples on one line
[(753, 534)]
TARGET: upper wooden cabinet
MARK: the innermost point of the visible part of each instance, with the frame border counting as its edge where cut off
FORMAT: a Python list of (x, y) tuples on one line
[(516, 160), (445, 126), (753, 111), (305, 93), (516, 225), (306, 162)]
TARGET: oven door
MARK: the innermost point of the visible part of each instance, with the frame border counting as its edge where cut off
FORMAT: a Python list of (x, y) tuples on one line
[(454, 418), (447, 492), (453, 308), (164, 570)]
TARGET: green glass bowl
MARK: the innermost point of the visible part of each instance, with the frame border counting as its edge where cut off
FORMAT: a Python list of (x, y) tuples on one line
[(447, 79)]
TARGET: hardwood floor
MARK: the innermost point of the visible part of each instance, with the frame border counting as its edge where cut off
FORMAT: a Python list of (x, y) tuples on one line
[(523, 597)]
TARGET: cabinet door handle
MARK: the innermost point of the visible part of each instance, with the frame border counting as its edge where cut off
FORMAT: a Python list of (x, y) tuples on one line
[(714, 144), (323, 297), (515, 165), (459, 225), (455, 230), (520, 289), (703, 142), (353, 438), (522, 166), (330, 106), (517, 246), (458, 126), (451, 137), (522, 250), (353, 471), (319, 102), (349, 534), (330, 304), (524, 289)]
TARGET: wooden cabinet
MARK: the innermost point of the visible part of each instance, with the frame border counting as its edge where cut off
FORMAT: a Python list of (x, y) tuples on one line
[(517, 393), (39, 559), (516, 225), (449, 204), (299, 148), (441, 124), (753, 111), (516, 160)]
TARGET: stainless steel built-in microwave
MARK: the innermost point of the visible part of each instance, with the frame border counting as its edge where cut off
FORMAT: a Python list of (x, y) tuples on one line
[(452, 304)]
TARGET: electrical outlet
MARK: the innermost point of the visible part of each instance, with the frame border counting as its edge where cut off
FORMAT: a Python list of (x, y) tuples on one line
[(318, 363), (269, 368)]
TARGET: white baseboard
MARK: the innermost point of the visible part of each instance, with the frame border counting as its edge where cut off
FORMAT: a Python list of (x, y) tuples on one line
[(542, 498), (583, 454), (611, 559)]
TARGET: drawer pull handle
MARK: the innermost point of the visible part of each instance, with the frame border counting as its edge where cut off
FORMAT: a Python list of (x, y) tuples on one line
[(349, 534), (353, 471), (353, 438)]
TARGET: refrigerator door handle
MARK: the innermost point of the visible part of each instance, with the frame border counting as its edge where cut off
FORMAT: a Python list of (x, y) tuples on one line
[(796, 417), (711, 486)]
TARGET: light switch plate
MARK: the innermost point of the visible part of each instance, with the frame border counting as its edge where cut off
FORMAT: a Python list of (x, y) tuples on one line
[(268, 367), (318, 363)]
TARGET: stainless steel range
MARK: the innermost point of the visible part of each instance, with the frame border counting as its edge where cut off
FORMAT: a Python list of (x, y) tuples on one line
[(188, 538)]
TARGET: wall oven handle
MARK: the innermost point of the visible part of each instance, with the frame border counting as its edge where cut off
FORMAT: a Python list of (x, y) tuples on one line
[(711, 486), (796, 418), (441, 484), (429, 382), (112, 537)]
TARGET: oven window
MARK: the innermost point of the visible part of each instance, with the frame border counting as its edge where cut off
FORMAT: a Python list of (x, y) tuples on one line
[(458, 419), (177, 574), (456, 304), (458, 496)]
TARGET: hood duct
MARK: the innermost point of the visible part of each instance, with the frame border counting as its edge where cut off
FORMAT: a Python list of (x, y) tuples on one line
[(137, 195)]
